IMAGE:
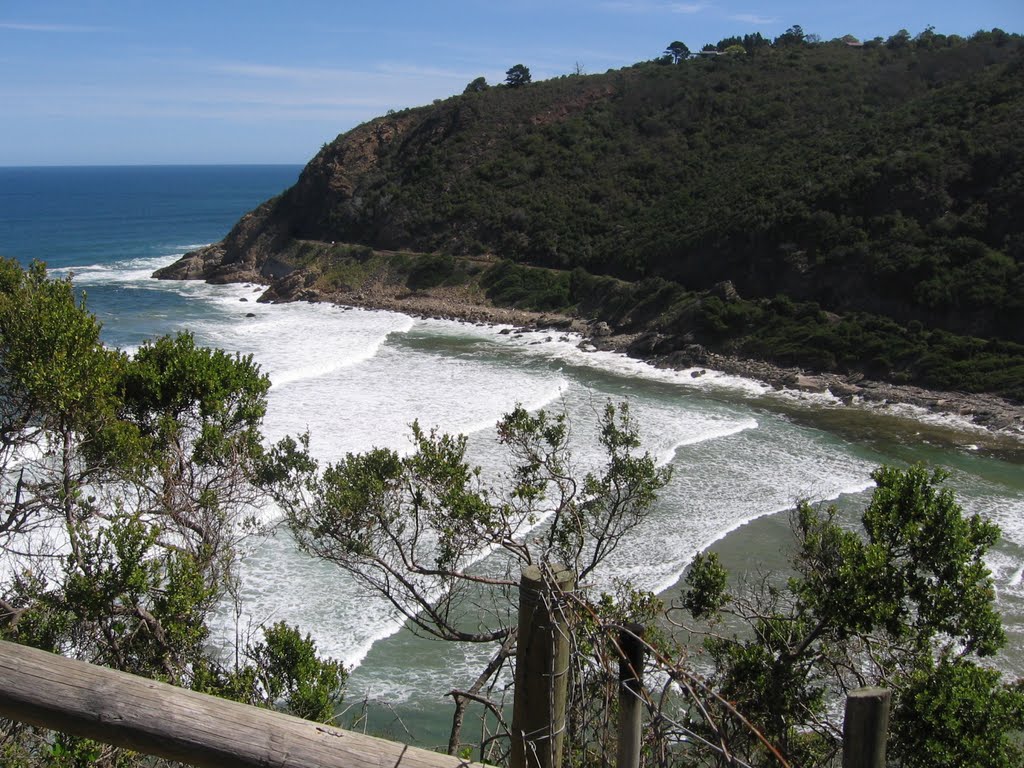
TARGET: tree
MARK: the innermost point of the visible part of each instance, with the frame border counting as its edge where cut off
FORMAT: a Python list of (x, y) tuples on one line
[(755, 41), (517, 75), (726, 42), (899, 41), (908, 604), (792, 36), (479, 85), (415, 528), (678, 51), (127, 486)]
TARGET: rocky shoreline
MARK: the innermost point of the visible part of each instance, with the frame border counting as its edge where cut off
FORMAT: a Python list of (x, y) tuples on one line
[(467, 305)]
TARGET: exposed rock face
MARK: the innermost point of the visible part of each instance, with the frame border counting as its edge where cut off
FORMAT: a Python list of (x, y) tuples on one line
[(295, 286), (247, 254)]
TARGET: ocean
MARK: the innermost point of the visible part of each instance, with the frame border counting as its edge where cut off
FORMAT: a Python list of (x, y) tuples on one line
[(741, 454)]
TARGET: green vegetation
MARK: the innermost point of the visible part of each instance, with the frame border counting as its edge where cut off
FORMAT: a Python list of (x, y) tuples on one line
[(517, 75), (803, 334), (908, 603), (412, 528), (127, 486), (806, 336), (880, 181), (432, 270), (512, 285)]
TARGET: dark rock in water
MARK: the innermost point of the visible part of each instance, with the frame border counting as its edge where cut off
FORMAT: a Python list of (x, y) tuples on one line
[(644, 345), (250, 314), (243, 299), (652, 344), (816, 384), (297, 286), (697, 374), (505, 332), (558, 323), (843, 390), (194, 265), (690, 356)]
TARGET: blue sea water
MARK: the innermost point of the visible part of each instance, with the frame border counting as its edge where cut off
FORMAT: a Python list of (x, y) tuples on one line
[(89, 218), (741, 454)]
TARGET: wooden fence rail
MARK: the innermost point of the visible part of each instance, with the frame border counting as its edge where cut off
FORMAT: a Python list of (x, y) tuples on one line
[(154, 718), (50, 691)]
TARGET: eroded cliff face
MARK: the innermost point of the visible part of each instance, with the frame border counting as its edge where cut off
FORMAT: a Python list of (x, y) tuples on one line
[(322, 202), (246, 254)]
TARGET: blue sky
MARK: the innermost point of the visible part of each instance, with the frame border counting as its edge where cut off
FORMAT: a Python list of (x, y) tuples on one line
[(128, 82)]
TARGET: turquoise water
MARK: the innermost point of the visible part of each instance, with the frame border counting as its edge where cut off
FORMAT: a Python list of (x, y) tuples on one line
[(741, 454)]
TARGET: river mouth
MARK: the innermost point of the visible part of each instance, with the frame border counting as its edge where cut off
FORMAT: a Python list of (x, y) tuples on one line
[(741, 453)]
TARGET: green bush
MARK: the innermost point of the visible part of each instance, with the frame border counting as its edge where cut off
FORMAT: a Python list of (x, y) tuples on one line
[(513, 285)]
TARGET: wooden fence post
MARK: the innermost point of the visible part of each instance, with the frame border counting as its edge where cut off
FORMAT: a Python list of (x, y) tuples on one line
[(631, 680), (542, 666), (866, 728)]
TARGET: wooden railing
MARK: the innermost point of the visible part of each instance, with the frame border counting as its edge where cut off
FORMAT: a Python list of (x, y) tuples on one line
[(154, 718), (51, 691)]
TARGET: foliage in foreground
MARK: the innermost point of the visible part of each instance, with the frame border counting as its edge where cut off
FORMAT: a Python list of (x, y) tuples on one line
[(906, 604), (445, 545), (128, 485)]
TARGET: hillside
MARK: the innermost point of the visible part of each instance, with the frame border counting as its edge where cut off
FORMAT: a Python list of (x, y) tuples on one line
[(840, 208)]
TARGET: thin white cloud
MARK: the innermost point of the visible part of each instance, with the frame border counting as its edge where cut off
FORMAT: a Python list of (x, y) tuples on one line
[(275, 72), (240, 90), (327, 74), (22, 27), (645, 6), (417, 71), (753, 18)]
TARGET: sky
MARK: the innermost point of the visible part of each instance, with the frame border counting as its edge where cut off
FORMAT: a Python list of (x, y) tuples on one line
[(125, 82)]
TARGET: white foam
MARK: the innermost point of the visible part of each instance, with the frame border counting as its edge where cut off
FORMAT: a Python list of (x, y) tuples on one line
[(138, 270), (729, 429), (565, 346)]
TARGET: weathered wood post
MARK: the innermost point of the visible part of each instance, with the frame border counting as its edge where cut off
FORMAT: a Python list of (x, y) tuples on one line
[(542, 666), (866, 728), (631, 680)]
